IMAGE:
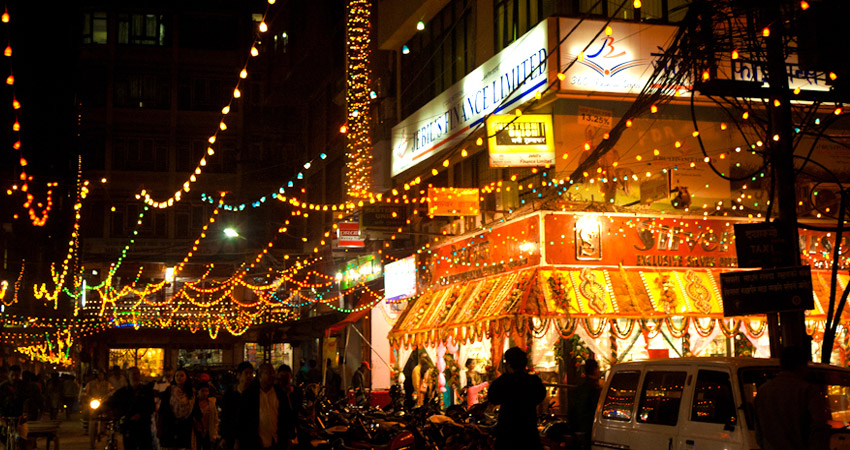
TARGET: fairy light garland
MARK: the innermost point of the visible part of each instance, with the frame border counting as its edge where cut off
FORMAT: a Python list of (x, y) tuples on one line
[(54, 350), (359, 143), (222, 126)]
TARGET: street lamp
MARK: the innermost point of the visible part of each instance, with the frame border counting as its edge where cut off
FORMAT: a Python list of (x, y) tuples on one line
[(231, 233)]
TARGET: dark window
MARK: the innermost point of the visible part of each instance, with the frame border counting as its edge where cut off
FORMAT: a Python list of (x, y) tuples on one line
[(94, 28), (209, 32), (620, 398), (713, 401), (661, 397), (117, 226), (140, 153), (439, 55), (203, 94), (142, 91), (181, 223), (189, 154), (514, 18), (142, 29)]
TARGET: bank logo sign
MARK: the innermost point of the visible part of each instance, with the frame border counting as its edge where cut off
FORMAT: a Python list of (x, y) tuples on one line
[(500, 84), (520, 141), (620, 59)]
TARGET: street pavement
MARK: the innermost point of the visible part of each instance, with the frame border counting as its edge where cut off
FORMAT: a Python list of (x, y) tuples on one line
[(71, 435)]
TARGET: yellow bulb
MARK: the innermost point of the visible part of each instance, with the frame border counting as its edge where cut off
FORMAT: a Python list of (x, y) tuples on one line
[(222, 125), (254, 51), (637, 4), (225, 110), (446, 163), (464, 153), (797, 90), (236, 93), (210, 151), (263, 27), (735, 54), (561, 76), (479, 142), (765, 32), (434, 172), (609, 31), (653, 109), (746, 115), (5, 17), (243, 74)]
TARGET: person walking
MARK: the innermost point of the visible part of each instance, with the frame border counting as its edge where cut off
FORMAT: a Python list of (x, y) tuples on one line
[(229, 425), (206, 419), (133, 406), (517, 393), (175, 422), (359, 384), (791, 412), (265, 419), (582, 403)]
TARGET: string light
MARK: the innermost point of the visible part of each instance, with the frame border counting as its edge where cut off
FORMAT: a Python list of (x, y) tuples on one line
[(358, 140)]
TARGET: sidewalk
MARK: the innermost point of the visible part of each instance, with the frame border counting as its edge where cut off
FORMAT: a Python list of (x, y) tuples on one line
[(71, 435)]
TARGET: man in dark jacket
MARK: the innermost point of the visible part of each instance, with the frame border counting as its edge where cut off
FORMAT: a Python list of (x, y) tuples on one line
[(230, 403), (518, 393), (265, 417), (133, 405)]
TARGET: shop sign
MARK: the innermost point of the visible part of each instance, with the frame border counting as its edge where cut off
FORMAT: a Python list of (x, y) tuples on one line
[(621, 60), (817, 248), (520, 141), (349, 235), (400, 279), (502, 83), (359, 270), (767, 290), (638, 241), (453, 201), (383, 216), (511, 246), (759, 244)]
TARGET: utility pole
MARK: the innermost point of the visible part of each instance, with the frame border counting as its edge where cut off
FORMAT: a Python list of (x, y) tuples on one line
[(790, 324)]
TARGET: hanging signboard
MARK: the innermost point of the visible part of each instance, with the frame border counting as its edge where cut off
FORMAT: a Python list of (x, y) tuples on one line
[(349, 235), (767, 290), (758, 244), (453, 201), (520, 141), (383, 216), (400, 279)]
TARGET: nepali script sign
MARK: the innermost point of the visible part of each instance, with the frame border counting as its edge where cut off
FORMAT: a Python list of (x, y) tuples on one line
[(503, 82)]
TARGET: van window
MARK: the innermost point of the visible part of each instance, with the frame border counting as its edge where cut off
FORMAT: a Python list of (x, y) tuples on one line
[(620, 398), (660, 398), (713, 401)]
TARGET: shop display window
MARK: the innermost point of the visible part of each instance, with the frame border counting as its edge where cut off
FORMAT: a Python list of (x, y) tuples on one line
[(199, 357), (281, 354), (148, 360)]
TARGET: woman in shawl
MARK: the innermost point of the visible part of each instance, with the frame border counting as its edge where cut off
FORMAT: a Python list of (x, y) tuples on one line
[(175, 414)]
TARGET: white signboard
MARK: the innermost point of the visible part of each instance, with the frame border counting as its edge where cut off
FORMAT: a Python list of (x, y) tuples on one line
[(500, 84), (400, 279), (620, 62)]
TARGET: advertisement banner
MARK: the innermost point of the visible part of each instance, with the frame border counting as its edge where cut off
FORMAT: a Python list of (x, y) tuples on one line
[(619, 60), (453, 201), (503, 82), (638, 241), (400, 279), (504, 248), (521, 141), (349, 235)]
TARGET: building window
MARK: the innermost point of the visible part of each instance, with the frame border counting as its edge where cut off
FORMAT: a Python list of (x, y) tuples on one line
[(94, 28), (514, 18), (141, 29), (142, 91), (203, 94), (440, 55), (137, 153)]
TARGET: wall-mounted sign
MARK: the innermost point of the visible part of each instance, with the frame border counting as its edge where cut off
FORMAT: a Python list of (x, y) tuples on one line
[(621, 61), (349, 234), (502, 248), (520, 141), (360, 270), (638, 241), (504, 81), (767, 290), (400, 279), (453, 201), (383, 216)]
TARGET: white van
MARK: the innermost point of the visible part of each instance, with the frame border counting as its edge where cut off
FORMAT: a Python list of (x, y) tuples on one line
[(699, 403)]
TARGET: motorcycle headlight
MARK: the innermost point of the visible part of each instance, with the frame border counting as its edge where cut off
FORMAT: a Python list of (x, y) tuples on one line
[(95, 404)]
